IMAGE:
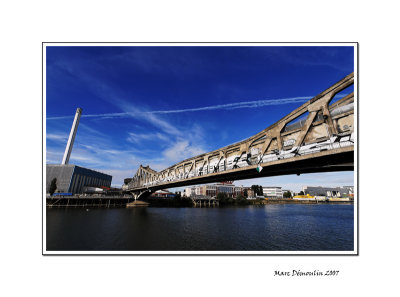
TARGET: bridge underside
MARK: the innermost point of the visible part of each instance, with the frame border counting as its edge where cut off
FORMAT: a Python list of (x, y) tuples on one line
[(327, 161)]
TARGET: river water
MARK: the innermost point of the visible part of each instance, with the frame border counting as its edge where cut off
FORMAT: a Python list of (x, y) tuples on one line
[(271, 227)]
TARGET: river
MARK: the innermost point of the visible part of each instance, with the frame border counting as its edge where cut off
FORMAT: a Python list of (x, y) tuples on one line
[(271, 227)]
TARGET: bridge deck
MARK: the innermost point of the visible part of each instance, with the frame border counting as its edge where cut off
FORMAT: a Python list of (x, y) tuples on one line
[(327, 161)]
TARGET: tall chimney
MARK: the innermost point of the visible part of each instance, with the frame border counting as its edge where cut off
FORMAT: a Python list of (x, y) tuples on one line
[(71, 138)]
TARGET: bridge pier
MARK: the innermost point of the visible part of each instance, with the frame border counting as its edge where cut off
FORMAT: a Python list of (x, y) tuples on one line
[(204, 202)]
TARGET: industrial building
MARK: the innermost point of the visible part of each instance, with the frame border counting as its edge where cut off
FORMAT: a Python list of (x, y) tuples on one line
[(347, 191), (73, 178), (70, 178)]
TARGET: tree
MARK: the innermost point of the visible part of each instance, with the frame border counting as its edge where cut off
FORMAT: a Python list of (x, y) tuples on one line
[(245, 194), (287, 194), (224, 199), (301, 193), (258, 190), (53, 186), (240, 200), (180, 200)]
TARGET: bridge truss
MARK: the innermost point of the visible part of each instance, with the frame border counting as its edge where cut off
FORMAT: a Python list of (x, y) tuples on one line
[(316, 137)]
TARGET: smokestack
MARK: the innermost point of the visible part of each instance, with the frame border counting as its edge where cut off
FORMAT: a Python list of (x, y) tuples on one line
[(71, 138)]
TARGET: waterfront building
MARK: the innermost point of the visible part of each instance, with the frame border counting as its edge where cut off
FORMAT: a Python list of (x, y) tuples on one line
[(273, 192), (163, 194), (212, 190), (209, 190), (329, 191), (189, 192), (350, 189), (73, 178), (250, 193), (238, 191), (126, 182), (198, 191), (228, 189)]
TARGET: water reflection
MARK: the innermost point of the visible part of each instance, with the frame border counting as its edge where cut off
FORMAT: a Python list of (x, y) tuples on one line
[(280, 227)]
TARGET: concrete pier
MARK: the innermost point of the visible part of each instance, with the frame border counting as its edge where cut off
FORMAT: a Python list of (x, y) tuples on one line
[(137, 203), (204, 202)]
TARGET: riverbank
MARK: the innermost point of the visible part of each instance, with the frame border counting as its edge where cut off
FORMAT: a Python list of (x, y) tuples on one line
[(118, 201), (292, 201), (92, 202)]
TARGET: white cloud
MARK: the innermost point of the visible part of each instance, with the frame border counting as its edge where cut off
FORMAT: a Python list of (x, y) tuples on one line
[(181, 150), (118, 175)]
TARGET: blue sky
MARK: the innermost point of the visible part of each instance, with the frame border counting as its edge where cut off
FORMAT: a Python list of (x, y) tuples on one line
[(159, 105)]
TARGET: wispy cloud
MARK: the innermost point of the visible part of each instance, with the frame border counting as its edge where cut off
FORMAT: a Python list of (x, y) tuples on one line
[(57, 137), (245, 104), (229, 106), (102, 115), (54, 156), (148, 115), (139, 137)]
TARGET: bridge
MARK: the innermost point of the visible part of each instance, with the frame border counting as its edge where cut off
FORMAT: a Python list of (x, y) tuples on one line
[(316, 137)]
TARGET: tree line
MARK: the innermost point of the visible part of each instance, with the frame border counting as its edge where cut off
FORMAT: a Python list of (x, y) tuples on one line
[(258, 190)]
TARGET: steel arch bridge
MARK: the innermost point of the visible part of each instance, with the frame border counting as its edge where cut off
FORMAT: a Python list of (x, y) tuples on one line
[(316, 137)]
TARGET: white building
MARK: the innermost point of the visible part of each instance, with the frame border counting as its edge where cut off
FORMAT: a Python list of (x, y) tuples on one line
[(189, 192), (213, 189), (273, 192)]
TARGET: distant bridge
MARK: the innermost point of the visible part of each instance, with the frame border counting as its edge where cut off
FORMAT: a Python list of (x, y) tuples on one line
[(316, 137)]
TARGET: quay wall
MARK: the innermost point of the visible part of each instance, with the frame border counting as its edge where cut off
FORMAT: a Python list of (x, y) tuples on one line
[(76, 201), (117, 201)]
